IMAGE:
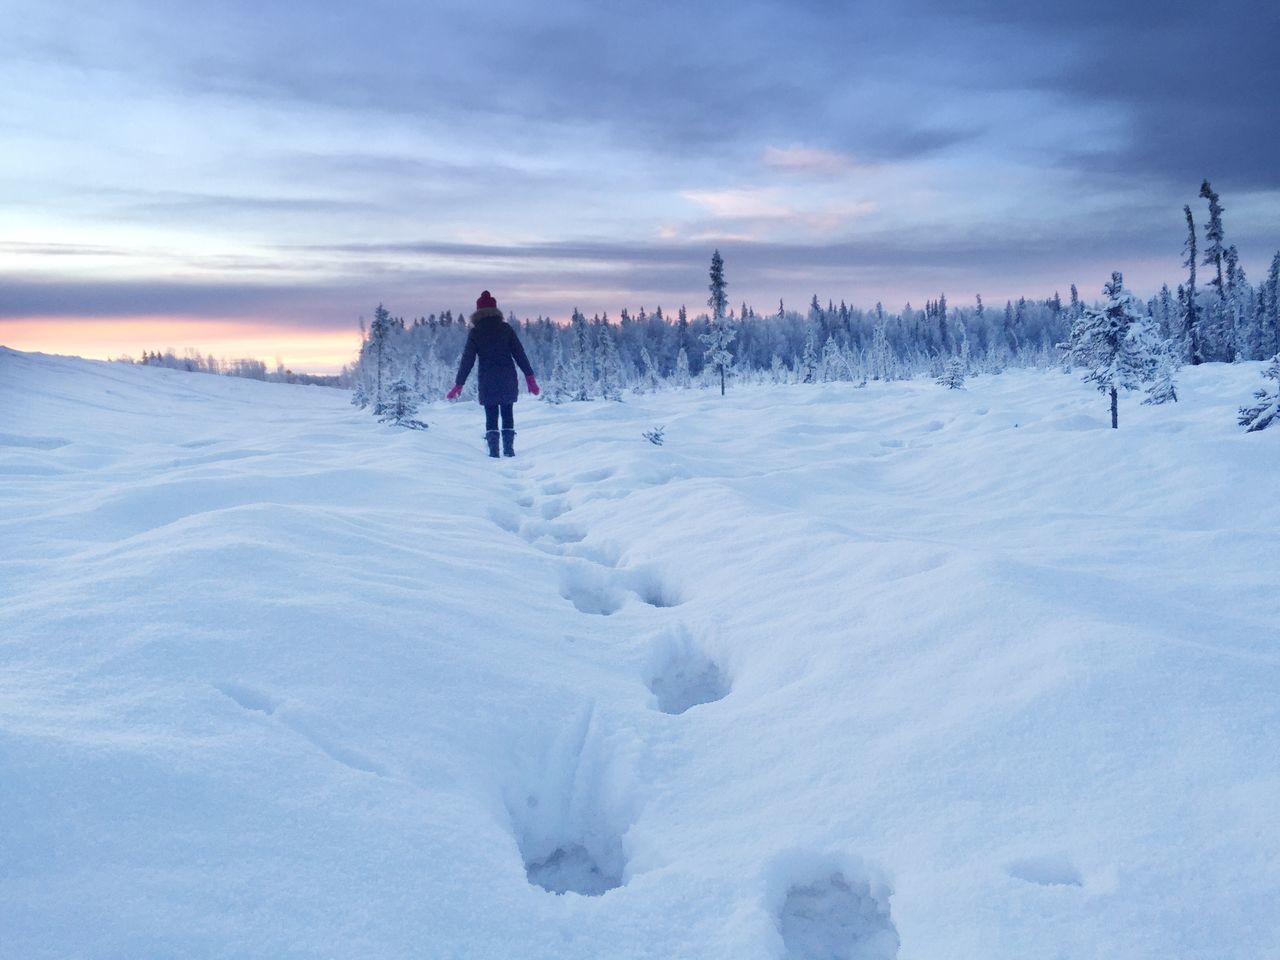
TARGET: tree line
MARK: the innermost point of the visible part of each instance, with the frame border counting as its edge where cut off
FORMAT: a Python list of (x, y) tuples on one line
[(1226, 318)]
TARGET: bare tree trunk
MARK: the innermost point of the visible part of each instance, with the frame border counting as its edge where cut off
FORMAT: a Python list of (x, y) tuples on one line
[(1115, 410), (722, 379)]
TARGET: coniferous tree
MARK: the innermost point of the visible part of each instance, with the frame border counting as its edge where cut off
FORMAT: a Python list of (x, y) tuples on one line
[(581, 373), (683, 378), (652, 380), (1191, 314), (1116, 343), (831, 362), (881, 356), (558, 390), (953, 376), (1213, 234), (809, 359), (721, 333), (401, 404), (1265, 410), (380, 352), (1271, 310), (610, 365), (1162, 388)]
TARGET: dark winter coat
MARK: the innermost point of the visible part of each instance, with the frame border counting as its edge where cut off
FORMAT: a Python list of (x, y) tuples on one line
[(495, 342)]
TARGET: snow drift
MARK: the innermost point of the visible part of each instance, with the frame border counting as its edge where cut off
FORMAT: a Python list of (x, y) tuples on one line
[(860, 673)]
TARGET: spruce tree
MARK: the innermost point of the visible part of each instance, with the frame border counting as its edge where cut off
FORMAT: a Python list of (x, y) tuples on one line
[(610, 365), (1117, 344), (652, 380), (832, 363), (881, 354), (1213, 251), (1162, 388), (380, 351), (1271, 312), (1191, 310), (581, 374), (400, 406), (682, 376), (953, 376), (721, 332), (809, 359), (1265, 411)]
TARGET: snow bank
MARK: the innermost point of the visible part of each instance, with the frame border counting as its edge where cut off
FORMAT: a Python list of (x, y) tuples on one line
[(891, 672)]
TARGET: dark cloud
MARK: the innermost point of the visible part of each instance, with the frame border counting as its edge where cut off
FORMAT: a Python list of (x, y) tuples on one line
[(1196, 83)]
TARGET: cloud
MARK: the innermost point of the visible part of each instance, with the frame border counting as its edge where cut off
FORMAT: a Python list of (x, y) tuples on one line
[(809, 160)]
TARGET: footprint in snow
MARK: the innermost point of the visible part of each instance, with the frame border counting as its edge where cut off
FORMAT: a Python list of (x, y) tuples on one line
[(1047, 870), (836, 917), (650, 587), (686, 678), (590, 590), (568, 824), (553, 509)]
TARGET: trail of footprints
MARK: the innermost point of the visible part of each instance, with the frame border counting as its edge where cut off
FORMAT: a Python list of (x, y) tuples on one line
[(570, 823), (577, 801)]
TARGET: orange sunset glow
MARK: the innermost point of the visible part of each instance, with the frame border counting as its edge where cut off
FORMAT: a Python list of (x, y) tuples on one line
[(298, 348)]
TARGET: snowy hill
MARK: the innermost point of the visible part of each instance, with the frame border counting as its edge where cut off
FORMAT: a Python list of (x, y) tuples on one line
[(835, 672)]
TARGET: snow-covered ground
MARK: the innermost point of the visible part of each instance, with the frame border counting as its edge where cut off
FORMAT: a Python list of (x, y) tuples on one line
[(834, 673)]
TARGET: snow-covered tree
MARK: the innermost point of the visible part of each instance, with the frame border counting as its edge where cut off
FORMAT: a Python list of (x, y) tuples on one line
[(401, 404), (359, 397), (580, 367), (1266, 409), (1213, 234), (1116, 343), (609, 365), (1162, 388), (1191, 310), (953, 375), (651, 379), (557, 388), (1270, 339), (721, 332), (831, 366), (683, 379), (881, 355), (379, 349)]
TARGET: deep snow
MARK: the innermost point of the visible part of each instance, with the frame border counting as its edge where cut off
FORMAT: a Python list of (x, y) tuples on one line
[(832, 670)]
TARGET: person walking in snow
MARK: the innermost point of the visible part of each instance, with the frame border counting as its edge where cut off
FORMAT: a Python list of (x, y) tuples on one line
[(498, 346)]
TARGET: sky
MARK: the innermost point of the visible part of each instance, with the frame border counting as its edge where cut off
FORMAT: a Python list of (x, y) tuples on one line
[(250, 179)]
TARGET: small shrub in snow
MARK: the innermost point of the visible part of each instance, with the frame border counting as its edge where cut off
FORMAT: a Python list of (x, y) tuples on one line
[(953, 376), (655, 436), (1266, 411)]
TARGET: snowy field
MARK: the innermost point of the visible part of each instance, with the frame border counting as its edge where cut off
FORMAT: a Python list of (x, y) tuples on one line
[(834, 673)]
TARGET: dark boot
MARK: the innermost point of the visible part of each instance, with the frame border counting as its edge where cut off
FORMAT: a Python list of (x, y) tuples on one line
[(492, 437), (508, 443)]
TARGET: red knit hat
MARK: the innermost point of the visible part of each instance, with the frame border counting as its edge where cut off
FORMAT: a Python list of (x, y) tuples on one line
[(486, 301)]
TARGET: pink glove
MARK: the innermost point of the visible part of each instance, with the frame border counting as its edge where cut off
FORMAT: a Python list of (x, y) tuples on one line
[(453, 394), (533, 384)]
